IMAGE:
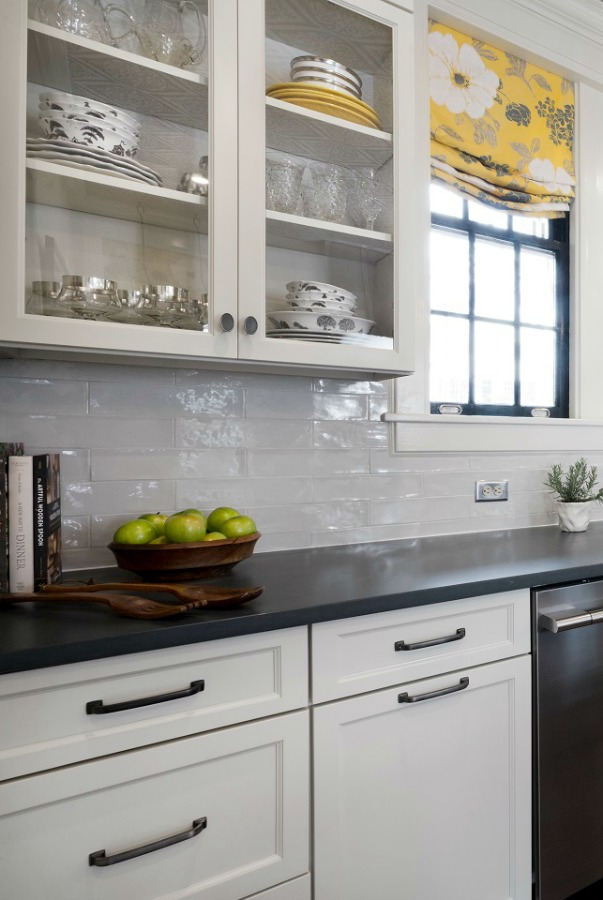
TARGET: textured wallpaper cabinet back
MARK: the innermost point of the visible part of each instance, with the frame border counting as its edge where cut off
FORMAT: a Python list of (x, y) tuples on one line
[(308, 458)]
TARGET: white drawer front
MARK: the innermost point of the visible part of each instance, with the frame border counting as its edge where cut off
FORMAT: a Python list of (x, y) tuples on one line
[(44, 718), (250, 782), (351, 656)]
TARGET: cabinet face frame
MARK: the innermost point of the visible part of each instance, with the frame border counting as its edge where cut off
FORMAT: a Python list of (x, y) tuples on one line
[(252, 240), (18, 329)]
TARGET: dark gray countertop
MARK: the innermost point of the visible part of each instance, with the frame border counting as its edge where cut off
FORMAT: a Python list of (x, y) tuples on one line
[(305, 586)]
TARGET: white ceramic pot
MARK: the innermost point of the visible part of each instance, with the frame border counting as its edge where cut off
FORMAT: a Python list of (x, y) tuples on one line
[(573, 516)]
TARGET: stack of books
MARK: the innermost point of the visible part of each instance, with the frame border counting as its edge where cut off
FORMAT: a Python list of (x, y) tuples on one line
[(30, 519)]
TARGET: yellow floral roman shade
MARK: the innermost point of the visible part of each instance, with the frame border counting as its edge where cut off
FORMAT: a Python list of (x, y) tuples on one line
[(502, 129)]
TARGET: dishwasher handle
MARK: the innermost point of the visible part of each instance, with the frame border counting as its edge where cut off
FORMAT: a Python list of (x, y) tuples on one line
[(577, 618)]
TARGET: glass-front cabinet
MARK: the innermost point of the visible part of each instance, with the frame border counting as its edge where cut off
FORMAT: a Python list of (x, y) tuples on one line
[(209, 180)]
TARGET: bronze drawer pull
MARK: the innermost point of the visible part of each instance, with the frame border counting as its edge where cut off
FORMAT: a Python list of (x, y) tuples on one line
[(100, 858), (406, 698), (419, 645), (98, 708)]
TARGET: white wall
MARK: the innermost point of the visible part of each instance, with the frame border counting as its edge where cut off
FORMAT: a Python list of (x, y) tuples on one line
[(307, 458)]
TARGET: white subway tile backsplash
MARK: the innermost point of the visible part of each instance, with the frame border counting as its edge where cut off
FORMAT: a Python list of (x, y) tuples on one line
[(31, 396), (307, 458), (245, 433), (279, 404), (280, 464), (140, 399), (349, 434), (123, 465), (310, 516), (242, 493), (126, 498), (368, 487)]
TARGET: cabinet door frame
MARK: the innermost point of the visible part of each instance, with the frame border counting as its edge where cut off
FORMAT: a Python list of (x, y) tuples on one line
[(19, 329), (252, 128), (329, 723)]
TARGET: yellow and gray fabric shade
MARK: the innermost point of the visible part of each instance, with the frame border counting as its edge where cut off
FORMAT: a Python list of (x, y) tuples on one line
[(502, 129)]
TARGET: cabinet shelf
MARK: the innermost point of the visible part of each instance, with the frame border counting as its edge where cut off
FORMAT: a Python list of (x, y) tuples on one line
[(303, 132), (52, 184), (69, 63), (325, 238)]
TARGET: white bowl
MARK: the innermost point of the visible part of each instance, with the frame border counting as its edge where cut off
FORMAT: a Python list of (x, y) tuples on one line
[(304, 287), (326, 321), (326, 65), (78, 109), (90, 133), (341, 306), (58, 100)]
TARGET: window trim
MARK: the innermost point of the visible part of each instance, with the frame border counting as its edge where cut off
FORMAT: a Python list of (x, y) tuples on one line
[(540, 30)]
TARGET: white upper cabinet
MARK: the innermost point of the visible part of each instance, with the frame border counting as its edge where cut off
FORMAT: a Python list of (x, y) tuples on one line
[(137, 215)]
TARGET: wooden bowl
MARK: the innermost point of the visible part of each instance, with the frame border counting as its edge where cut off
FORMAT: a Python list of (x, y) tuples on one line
[(184, 562)]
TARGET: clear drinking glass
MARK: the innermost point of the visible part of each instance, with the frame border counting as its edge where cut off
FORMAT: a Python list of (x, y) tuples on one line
[(283, 184), (364, 203), (328, 197)]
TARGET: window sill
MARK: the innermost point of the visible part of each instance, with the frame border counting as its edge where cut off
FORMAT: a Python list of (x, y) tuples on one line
[(420, 433)]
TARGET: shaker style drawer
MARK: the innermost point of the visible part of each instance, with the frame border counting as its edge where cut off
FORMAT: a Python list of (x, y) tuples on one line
[(365, 653), (219, 816), (56, 716)]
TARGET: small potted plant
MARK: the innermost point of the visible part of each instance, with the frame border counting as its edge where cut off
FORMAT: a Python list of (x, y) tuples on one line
[(575, 493)]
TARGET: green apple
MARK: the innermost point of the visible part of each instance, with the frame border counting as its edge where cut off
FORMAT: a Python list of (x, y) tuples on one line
[(185, 528), (238, 526), (157, 519), (218, 516), (137, 531), (214, 536)]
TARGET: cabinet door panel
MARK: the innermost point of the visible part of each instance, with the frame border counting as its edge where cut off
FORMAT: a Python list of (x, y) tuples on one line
[(426, 800), (250, 782)]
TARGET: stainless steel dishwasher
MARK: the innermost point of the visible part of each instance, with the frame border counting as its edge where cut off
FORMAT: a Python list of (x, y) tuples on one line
[(568, 738)]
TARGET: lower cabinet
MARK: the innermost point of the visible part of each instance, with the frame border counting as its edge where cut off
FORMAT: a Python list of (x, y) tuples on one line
[(422, 791), (218, 816)]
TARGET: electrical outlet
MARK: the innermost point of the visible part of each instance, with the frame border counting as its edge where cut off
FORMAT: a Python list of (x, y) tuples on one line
[(491, 490)]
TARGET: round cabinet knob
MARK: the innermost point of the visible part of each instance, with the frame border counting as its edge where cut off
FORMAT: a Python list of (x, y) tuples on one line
[(226, 322), (251, 325)]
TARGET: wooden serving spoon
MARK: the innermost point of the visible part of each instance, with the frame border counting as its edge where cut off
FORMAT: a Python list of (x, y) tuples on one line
[(202, 595), (124, 604)]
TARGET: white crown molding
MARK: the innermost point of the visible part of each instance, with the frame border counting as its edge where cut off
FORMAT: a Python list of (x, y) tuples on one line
[(567, 33)]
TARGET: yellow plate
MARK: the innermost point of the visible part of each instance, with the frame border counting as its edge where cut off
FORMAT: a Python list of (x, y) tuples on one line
[(295, 96), (325, 93), (332, 109)]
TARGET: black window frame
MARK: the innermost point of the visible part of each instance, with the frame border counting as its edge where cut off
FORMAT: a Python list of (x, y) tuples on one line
[(558, 243)]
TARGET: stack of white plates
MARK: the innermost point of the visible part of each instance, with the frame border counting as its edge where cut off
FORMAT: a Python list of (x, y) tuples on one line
[(318, 312), (91, 159), (326, 72)]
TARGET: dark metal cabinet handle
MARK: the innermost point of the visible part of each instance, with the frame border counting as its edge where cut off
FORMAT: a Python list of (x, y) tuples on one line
[(226, 322), (418, 645), (250, 325), (98, 708), (406, 698), (100, 858)]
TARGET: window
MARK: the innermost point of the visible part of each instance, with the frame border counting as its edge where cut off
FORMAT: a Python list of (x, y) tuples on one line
[(499, 291)]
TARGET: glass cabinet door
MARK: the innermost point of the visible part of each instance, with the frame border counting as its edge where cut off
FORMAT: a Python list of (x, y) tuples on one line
[(326, 153), (128, 206)]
